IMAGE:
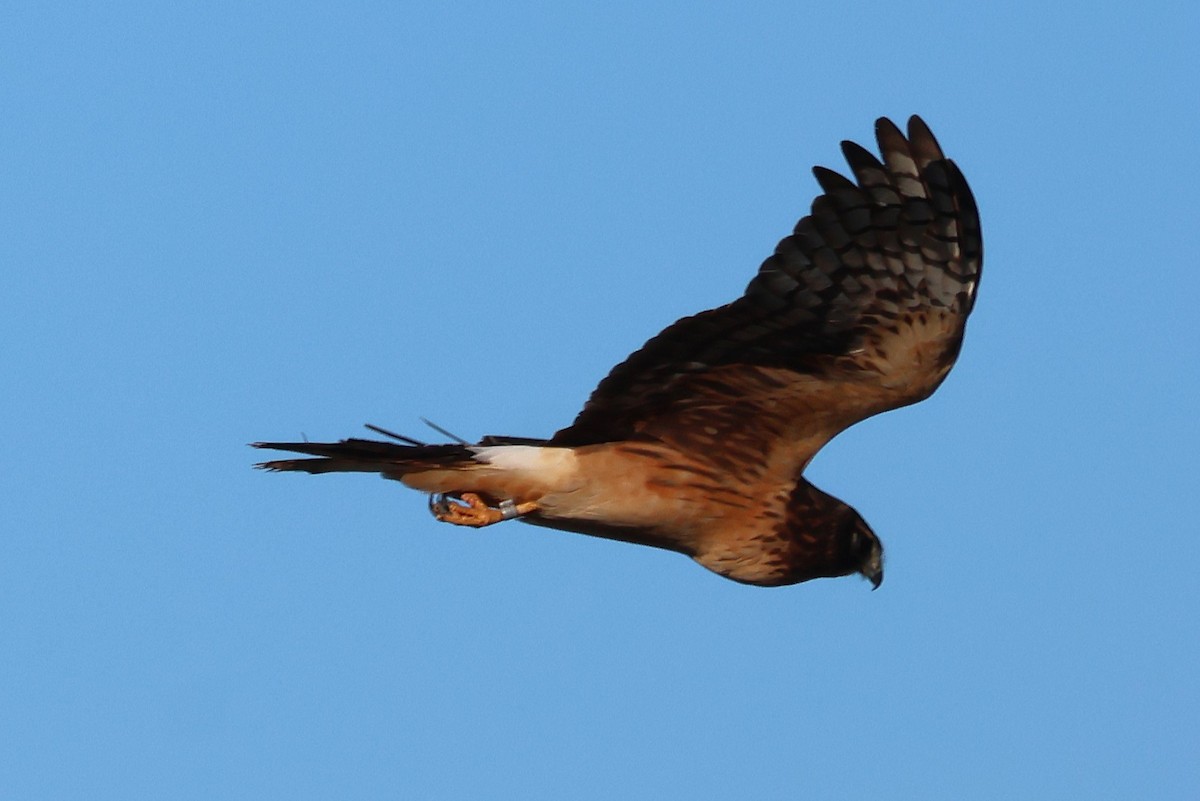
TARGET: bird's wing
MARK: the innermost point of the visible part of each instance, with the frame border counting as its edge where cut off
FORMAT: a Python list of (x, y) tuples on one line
[(860, 310)]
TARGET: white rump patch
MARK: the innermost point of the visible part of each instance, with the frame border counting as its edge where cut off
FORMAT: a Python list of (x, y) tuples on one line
[(533, 460)]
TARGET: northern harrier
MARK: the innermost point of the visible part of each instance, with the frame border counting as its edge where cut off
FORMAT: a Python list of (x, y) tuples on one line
[(697, 442)]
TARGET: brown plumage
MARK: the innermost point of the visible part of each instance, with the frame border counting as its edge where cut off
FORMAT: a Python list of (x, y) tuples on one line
[(697, 442)]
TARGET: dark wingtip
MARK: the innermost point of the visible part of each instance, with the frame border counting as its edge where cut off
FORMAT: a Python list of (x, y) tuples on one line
[(917, 126), (885, 127), (831, 181), (853, 152)]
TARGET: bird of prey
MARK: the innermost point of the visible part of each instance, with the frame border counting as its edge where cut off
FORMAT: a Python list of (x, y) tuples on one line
[(697, 443)]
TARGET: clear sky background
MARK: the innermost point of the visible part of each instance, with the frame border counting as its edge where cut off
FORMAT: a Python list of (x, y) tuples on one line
[(224, 222)]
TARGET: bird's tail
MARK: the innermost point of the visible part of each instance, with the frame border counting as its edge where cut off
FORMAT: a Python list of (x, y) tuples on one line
[(497, 468), (368, 456)]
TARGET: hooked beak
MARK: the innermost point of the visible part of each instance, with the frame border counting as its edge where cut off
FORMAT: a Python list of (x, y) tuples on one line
[(875, 576)]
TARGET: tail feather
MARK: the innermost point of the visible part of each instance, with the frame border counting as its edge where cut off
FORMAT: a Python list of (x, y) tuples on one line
[(366, 456)]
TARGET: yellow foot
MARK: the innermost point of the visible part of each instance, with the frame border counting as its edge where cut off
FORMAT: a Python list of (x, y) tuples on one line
[(471, 510)]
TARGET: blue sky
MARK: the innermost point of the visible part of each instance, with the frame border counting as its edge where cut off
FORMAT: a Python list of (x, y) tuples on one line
[(227, 222)]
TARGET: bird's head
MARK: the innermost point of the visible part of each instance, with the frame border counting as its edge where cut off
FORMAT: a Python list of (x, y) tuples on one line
[(830, 538), (863, 550)]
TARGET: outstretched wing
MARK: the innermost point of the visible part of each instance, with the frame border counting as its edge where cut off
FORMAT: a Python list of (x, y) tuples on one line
[(860, 310)]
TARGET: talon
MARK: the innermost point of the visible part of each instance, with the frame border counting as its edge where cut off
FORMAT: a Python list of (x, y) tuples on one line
[(439, 505), (468, 509)]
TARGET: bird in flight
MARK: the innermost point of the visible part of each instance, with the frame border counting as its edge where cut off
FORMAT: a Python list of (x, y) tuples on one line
[(697, 443)]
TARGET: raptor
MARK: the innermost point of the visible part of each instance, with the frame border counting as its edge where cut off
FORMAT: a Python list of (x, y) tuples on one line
[(697, 443)]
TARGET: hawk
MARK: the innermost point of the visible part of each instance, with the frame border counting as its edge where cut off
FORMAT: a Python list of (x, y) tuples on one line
[(697, 443)]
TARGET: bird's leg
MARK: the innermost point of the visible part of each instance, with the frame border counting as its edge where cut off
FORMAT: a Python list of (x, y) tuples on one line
[(471, 510)]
